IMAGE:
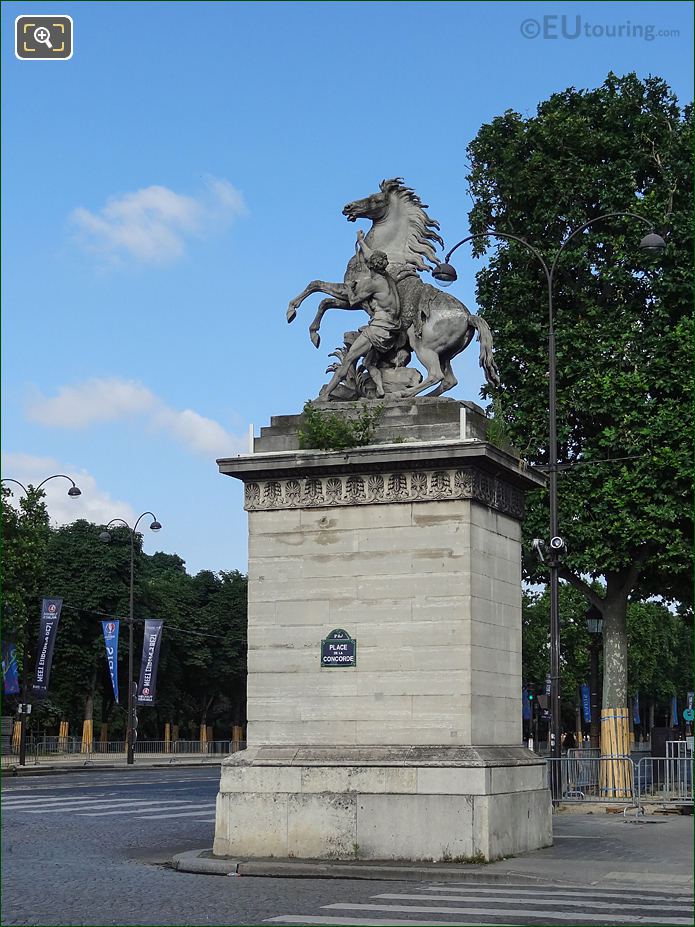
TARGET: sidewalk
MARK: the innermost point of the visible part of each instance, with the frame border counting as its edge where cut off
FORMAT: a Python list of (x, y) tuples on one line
[(590, 848), (82, 763)]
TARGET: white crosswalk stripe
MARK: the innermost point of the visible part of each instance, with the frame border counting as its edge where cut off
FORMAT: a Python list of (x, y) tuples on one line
[(479, 904), (97, 806), (151, 806), (184, 814), (519, 890), (72, 804)]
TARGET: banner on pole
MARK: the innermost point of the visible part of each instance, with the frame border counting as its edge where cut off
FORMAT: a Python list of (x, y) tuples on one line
[(635, 709), (48, 630), (147, 685), (110, 629), (674, 712), (10, 676), (586, 703)]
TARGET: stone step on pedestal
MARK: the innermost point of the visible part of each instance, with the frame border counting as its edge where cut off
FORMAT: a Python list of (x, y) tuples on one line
[(426, 419)]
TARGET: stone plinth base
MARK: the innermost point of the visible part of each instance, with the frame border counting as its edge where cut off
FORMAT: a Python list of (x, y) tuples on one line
[(393, 802)]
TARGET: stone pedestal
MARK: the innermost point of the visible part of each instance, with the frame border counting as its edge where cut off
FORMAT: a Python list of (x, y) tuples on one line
[(413, 549)]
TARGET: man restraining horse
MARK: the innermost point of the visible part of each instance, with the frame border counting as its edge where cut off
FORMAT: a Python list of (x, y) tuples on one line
[(376, 291)]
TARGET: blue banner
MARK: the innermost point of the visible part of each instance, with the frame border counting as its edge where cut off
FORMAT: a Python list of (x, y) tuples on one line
[(586, 703), (635, 709), (48, 629), (10, 676), (525, 705), (674, 712), (147, 686), (110, 629)]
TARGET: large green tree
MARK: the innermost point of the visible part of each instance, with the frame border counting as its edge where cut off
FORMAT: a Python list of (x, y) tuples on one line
[(93, 580), (25, 538), (624, 338)]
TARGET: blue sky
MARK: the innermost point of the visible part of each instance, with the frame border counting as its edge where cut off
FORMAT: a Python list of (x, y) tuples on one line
[(173, 185)]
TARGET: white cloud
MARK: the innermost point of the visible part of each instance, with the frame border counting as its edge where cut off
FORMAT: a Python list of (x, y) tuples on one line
[(197, 432), (151, 225), (108, 400), (97, 400), (95, 504)]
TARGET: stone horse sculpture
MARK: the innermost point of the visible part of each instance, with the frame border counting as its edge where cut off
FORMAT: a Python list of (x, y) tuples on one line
[(438, 325)]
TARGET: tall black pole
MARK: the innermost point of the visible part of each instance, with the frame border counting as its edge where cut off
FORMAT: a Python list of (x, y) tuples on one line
[(555, 692), (132, 686), (131, 704), (595, 702), (25, 696), (448, 275)]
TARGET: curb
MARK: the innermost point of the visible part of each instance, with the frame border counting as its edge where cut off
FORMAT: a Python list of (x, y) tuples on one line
[(95, 767), (202, 862)]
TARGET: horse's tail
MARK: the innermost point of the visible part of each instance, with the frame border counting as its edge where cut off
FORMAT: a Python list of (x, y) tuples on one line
[(487, 361)]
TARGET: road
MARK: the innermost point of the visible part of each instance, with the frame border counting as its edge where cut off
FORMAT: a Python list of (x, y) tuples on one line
[(90, 849)]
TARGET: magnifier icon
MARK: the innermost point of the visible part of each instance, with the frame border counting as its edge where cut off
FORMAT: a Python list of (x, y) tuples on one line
[(43, 36)]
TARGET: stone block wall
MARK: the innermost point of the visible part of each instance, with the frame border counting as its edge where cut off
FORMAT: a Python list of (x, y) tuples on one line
[(431, 592)]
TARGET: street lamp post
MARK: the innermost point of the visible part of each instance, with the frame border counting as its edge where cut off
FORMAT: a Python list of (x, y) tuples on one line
[(73, 492), (105, 536), (446, 274), (594, 625)]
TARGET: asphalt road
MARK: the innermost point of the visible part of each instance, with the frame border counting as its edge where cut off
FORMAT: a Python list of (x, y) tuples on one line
[(91, 848)]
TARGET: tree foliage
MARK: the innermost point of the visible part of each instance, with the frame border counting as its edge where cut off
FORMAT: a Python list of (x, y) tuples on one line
[(624, 337), (202, 666), (659, 646)]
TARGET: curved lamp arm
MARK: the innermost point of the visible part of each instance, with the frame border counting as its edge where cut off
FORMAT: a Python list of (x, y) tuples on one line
[(581, 228), (489, 233), (73, 491), (448, 273)]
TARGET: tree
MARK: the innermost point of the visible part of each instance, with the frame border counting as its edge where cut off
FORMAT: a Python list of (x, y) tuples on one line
[(215, 657), (659, 646), (623, 333), (25, 537), (93, 579)]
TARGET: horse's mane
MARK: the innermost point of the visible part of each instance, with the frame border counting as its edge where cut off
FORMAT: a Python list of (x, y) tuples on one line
[(423, 229)]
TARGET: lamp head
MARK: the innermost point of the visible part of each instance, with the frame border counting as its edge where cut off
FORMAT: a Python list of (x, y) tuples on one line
[(155, 526), (594, 621), (105, 537), (653, 243), (74, 491), (445, 274)]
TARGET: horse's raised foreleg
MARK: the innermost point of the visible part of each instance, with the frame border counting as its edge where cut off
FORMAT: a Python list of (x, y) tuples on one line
[(324, 306), (337, 290)]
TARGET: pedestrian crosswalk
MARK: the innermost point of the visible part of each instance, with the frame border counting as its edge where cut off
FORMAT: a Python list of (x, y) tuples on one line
[(495, 903), (106, 805)]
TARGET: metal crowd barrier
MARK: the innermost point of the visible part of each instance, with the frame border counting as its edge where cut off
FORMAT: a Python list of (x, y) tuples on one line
[(618, 779), (72, 748), (593, 778), (665, 780)]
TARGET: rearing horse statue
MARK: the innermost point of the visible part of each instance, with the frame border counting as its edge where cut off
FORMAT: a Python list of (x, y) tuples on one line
[(438, 325)]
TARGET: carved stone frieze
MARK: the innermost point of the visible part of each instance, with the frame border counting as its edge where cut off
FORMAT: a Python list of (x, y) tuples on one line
[(374, 489)]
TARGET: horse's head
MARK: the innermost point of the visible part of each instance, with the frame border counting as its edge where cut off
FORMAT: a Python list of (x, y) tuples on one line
[(401, 227), (372, 207)]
